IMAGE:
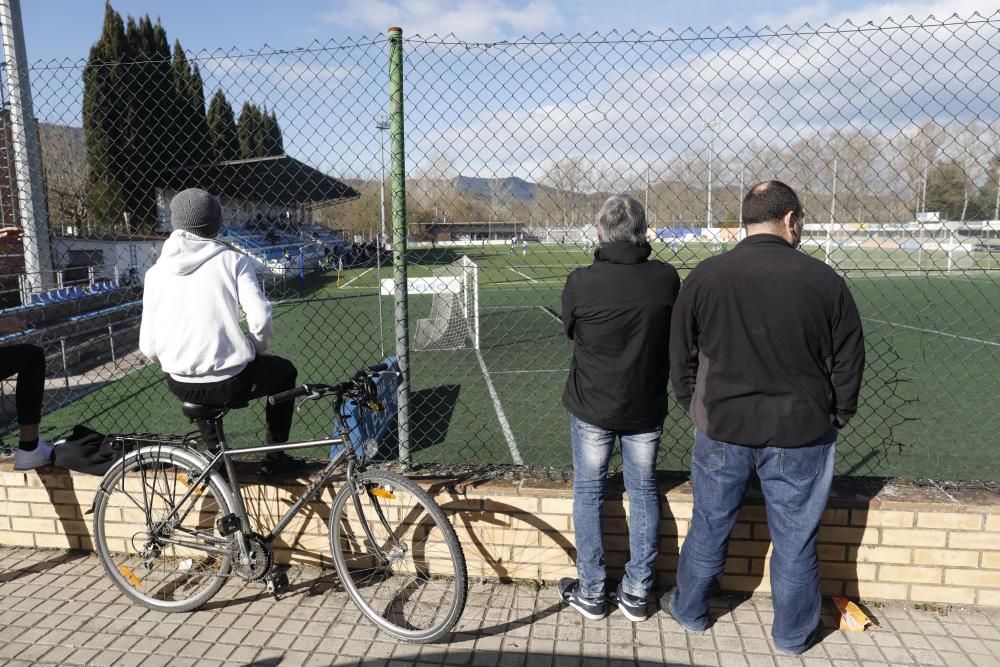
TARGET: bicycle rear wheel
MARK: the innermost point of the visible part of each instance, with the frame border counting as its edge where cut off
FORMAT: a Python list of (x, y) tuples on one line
[(409, 575), (158, 544)]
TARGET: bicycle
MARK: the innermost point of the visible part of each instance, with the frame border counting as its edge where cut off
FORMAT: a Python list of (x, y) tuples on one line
[(169, 529)]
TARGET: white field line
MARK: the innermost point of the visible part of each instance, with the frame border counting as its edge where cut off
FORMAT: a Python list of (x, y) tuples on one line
[(933, 331), (358, 276), (538, 370), (501, 417), (521, 274), (551, 314)]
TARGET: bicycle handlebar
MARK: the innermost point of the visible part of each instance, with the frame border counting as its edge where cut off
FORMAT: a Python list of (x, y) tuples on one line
[(283, 396)]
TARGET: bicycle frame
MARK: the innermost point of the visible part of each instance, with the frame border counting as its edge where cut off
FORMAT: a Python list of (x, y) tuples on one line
[(225, 456)]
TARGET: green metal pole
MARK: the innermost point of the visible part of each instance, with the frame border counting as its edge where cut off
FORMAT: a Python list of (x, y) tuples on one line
[(399, 235)]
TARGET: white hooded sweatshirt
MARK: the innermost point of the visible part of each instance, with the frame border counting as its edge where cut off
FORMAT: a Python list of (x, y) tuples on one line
[(191, 310)]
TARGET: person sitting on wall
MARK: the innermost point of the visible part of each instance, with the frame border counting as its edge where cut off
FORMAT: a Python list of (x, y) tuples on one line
[(27, 361), (191, 302)]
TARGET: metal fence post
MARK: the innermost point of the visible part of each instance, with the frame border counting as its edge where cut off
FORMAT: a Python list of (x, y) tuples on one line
[(26, 154), (398, 154)]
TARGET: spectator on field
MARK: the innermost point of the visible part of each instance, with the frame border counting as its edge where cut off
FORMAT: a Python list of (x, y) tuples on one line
[(617, 312), (766, 355), (27, 362), (191, 321)]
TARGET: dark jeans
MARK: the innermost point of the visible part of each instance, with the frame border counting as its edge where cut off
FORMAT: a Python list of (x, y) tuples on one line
[(28, 361), (796, 486), (263, 376)]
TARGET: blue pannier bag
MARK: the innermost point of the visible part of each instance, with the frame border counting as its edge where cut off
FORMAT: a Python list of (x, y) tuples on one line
[(368, 428)]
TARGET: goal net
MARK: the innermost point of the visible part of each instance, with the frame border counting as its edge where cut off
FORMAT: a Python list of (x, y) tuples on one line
[(453, 323)]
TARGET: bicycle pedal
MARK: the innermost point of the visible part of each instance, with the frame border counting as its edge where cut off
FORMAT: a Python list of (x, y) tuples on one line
[(276, 583), (228, 525)]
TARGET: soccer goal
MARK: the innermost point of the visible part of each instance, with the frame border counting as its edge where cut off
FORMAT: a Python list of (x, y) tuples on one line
[(453, 323)]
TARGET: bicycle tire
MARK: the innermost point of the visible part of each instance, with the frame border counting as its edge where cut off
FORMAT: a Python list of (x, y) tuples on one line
[(367, 582), (154, 479)]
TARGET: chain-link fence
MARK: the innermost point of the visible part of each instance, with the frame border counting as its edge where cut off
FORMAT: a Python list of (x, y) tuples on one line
[(890, 133)]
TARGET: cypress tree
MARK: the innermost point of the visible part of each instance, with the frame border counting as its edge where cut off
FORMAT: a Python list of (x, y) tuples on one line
[(222, 128), (247, 130), (277, 142), (104, 118)]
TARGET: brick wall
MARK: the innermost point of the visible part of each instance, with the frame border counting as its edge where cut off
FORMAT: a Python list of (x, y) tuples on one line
[(892, 542)]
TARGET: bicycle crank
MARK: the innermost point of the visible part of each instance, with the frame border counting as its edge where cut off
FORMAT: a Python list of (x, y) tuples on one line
[(260, 562)]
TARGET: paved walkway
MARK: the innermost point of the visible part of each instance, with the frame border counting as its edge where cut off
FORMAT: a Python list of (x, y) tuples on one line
[(60, 609)]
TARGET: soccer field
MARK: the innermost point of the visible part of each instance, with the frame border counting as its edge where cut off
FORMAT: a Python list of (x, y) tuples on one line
[(928, 407)]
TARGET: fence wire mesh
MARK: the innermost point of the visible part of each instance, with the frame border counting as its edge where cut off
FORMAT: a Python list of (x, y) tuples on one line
[(889, 132)]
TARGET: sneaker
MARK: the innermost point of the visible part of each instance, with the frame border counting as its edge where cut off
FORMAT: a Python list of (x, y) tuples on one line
[(665, 601), (634, 608), (569, 591), (38, 457)]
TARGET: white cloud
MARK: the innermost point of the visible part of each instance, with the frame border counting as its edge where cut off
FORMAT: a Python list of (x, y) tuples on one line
[(469, 20), (648, 103)]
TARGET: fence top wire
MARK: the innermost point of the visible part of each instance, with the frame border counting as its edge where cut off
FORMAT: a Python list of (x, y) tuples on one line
[(711, 34)]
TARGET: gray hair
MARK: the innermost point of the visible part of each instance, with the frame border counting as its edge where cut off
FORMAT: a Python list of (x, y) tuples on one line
[(622, 219)]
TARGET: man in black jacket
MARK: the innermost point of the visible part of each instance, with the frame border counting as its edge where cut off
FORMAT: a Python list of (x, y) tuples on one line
[(766, 355), (617, 312)]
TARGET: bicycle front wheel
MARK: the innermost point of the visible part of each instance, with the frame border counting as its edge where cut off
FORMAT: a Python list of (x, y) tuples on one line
[(398, 556), (157, 541)]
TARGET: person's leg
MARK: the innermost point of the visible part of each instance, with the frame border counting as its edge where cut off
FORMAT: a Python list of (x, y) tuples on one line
[(592, 448), (30, 387), (268, 374), (639, 452), (796, 484), (719, 476), (28, 362)]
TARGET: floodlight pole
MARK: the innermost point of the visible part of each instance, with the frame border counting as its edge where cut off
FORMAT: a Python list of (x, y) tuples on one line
[(833, 213), (712, 125), (996, 207), (398, 155), (26, 154), (381, 124)]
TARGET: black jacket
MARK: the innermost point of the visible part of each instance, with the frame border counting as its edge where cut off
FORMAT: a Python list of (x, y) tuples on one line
[(766, 347), (617, 311)]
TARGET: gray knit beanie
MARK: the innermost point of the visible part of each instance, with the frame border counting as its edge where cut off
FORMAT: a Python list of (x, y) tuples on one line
[(196, 211)]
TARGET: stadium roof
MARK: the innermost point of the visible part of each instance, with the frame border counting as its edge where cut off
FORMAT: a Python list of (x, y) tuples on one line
[(278, 180)]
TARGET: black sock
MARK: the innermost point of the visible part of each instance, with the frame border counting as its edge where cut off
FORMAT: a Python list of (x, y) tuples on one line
[(27, 445)]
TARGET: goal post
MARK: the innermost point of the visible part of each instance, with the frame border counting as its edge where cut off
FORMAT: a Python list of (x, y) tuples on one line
[(453, 322)]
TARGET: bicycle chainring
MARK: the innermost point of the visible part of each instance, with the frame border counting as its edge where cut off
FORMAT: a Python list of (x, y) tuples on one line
[(261, 558)]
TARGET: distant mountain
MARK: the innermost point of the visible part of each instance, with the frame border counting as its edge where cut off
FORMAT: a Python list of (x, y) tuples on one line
[(508, 189)]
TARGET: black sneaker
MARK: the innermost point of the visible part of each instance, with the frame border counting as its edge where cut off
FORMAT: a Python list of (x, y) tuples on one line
[(634, 608), (569, 591)]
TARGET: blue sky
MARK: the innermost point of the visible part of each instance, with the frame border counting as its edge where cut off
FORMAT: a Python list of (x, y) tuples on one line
[(496, 111)]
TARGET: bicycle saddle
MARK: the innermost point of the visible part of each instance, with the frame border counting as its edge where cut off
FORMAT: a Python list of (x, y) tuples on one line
[(195, 411)]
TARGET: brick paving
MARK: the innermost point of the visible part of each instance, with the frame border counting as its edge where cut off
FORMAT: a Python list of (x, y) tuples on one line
[(58, 608)]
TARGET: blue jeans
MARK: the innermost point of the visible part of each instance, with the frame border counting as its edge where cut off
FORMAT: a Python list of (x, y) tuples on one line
[(592, 447), (796, 486)]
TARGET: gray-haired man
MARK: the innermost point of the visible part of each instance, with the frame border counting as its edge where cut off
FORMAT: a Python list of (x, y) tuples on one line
[(617, 312)]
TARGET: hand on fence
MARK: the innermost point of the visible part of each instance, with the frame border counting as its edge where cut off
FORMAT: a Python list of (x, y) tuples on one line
[(10, 234)]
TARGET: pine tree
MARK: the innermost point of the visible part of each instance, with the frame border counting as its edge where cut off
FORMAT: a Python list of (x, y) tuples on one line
[(222, 128)]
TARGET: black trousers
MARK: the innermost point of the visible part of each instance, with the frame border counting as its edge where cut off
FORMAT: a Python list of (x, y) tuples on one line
[(28, 361), (263, 376)]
